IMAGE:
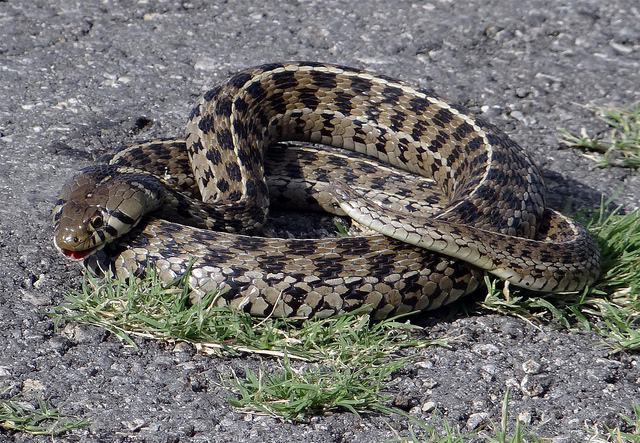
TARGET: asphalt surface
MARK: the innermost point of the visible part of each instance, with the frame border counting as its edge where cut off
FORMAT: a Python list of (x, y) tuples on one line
[(78, 78)]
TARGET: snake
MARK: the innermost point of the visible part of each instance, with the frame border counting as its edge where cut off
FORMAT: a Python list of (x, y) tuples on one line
[(445, 196)]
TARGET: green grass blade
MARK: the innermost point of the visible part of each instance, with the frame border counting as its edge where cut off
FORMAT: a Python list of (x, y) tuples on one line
[(17, 416)]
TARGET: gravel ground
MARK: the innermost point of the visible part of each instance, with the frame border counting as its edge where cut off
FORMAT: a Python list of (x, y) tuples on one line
[(78, 79)]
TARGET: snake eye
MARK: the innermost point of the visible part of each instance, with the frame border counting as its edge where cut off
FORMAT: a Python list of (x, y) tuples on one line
[(96, 220)]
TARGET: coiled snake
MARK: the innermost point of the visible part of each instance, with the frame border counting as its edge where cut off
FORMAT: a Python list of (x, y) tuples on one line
[(430, 247)]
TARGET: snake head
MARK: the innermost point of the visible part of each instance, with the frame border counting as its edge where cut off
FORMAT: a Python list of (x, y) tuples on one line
[(95, 207), (79, 231)]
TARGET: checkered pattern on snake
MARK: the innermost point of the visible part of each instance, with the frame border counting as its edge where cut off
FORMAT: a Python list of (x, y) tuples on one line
[(488, 215)]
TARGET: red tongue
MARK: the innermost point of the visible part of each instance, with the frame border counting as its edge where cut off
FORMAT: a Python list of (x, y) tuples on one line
[(77, 255)]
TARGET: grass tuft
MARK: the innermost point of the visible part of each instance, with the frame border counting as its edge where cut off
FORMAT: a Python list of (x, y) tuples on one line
[(629, 433), (344, 362), (146, 307), (620, 146), (501, 433), (317, 388), (507, 431), (20, 416)]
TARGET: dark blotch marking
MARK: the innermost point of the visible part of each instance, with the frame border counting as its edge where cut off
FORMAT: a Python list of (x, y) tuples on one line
[(211, 93), (478, 160), (462, 131), (467, 211), (206, 124), (113, 232), (256, 91), (373, 111), (239, 80), (327, 116), (412, 283), (343, 100), (419, 129), (244, 156), (213, 155), (307, 96), (271, 66), (475, 144), (233, 170), (359, 138), (328, 267), (441, 139), (196, 147), (499, 177), (325, 80), (419, 105), (455, 155), (252, 189), (225, 140), (284, 80), (277, 103), (368, 168), (391, 94), (241, 105), (240, 128), (234, 196), (274, 264), (223, 107), (297, 295), (122, 217), (486, 193), (208, 176), (360, 86), (195, 112), (397, 120), (443, 117), (222, 185)]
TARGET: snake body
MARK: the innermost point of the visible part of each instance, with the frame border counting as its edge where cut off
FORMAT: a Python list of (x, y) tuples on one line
[(431, 248)]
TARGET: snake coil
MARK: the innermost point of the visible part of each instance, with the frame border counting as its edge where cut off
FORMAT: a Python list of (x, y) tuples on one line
[(448, 196)]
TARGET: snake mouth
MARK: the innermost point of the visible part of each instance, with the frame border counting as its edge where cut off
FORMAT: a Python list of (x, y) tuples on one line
[(78, 255)]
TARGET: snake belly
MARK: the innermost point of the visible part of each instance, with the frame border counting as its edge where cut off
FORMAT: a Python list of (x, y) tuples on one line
[(493, 217)]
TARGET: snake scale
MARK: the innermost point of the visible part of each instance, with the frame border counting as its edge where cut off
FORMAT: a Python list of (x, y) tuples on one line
[(447, 195)]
